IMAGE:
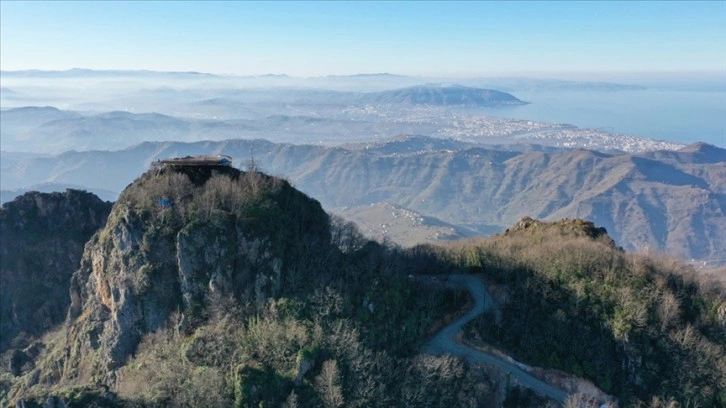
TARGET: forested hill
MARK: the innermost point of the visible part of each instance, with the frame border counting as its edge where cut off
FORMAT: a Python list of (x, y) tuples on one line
[(641, 328)]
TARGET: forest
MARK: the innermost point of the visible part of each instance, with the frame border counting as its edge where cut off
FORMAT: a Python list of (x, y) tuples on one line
[(344, 320)]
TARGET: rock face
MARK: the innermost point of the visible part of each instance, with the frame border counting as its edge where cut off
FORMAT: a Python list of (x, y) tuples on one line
[(182, 242), (42, 236)]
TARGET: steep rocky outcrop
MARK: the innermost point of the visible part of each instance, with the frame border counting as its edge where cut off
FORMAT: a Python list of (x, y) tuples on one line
[(42, 236), (571, 228), (185, 241)]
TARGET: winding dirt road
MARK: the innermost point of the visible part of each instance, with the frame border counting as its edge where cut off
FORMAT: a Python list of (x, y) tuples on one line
[(445, 341)]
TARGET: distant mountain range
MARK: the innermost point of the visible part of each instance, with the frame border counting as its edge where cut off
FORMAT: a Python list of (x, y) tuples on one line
[(664, 201), (350, 118), (531, 84), (382, 81), (54, 130), (86, 73)]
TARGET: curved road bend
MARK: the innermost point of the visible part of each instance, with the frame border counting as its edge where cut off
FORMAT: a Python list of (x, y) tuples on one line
[(445, 341)]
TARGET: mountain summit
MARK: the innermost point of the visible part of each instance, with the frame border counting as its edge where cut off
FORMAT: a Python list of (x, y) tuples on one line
[(185, 239)]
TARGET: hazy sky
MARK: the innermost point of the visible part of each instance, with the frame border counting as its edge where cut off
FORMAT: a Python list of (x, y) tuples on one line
[(323, 38)]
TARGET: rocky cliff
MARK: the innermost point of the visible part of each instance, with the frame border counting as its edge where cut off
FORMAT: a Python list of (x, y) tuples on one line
[(185, 241), (41, 243)]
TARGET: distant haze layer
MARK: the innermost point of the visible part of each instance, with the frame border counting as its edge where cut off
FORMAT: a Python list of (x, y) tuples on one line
[(675, 108)]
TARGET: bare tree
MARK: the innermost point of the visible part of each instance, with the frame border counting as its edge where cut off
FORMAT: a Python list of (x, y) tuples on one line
[(291, 401), (327, 384), (580, 400), (657, 402), (668, 310), (252, 165)]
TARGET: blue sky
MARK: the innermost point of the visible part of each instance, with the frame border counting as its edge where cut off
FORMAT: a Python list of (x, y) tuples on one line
[(324, 38)]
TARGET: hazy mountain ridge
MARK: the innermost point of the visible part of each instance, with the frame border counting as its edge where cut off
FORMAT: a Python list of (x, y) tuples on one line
[(445, 95), (292, 116), (645, 202), (390, 222), (48, 130), (84, 73), (9, 195), (381, 81), (676, 212)]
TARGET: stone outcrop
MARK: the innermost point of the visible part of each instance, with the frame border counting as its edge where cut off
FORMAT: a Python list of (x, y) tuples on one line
[(565, 227), (42, 236)]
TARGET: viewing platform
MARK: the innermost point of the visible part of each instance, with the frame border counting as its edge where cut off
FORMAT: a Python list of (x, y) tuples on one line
[(194, 161)]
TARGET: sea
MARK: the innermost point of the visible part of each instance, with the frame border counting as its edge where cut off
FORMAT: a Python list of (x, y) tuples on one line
[(672, 115)]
